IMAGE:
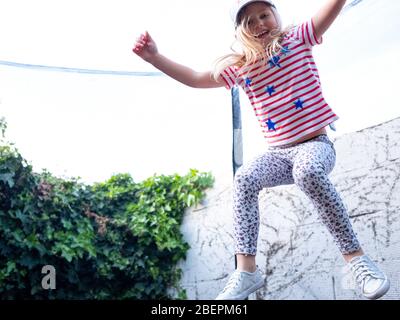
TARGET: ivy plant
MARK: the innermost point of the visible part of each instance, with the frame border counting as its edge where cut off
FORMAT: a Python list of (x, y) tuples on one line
[(118, 239)]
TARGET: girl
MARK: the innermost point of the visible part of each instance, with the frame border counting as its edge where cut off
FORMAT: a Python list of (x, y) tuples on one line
[(277, 71)]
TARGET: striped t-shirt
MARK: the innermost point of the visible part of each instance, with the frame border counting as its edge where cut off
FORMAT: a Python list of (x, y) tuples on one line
[(285, 91)]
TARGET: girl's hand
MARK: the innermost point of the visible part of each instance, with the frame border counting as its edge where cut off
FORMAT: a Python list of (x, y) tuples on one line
[(145, 47)]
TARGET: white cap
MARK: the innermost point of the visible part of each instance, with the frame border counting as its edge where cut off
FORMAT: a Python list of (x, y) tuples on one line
[(238, 5)]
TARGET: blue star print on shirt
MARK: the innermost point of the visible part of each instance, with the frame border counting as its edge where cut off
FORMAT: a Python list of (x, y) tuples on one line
[(270, 90), (285, 50), (299, 104), (271, 125), (248, 82), (274, 62)]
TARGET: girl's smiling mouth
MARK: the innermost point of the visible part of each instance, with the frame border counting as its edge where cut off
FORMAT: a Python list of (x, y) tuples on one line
[(262, 34)]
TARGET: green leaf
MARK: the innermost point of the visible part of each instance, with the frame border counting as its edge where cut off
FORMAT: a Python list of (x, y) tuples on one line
[(191, 200), (10, 267), (8, 178)]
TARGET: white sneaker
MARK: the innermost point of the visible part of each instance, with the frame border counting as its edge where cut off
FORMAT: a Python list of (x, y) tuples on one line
[(241, 284), (372, 281)]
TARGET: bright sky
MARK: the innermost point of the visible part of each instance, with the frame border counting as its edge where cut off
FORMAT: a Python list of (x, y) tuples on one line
[(92, 126), (100, 33)]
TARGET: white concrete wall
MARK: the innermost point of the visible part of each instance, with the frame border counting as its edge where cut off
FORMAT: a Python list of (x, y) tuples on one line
[(294, 249)]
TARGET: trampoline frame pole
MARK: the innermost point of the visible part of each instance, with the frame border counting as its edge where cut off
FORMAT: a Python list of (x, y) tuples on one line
[(237, 139)]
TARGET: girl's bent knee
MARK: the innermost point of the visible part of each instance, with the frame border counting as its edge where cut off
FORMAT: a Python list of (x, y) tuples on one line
[(306, 175), (246, 181)]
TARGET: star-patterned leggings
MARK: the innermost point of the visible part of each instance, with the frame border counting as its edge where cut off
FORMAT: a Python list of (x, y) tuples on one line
[(307, 165)]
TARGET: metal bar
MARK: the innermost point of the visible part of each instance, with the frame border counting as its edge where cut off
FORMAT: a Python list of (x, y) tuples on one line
[(78, 70), (237, 147)]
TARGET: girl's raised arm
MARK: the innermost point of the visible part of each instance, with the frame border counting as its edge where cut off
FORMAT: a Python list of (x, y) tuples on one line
[(146, 48), (326, 15)]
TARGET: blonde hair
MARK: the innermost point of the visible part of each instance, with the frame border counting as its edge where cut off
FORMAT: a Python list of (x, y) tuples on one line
[(252, 50)]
